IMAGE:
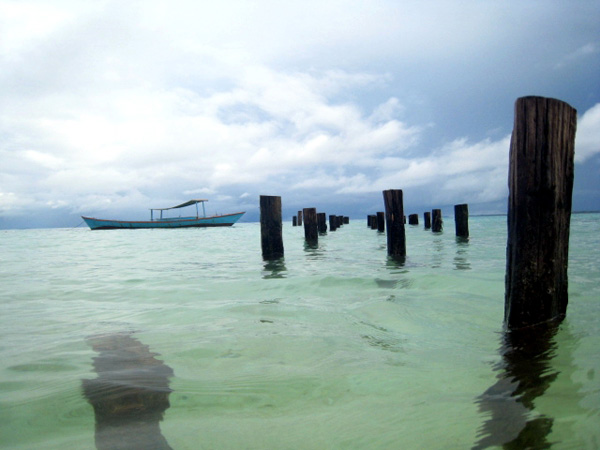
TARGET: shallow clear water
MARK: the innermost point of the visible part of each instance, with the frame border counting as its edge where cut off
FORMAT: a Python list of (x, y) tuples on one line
[(335, 347)]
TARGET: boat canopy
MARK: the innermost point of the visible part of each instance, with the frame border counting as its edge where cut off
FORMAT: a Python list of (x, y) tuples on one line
[(183, 205)]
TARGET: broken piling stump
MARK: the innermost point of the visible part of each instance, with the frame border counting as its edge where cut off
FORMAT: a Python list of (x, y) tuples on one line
[(461, 220), (374, 223), (321, 223), (427, 219), (270, 227), (539, 211), (311, 229), (413, 219), (380, 221), (394, 223), (437, 224), (332, 223)]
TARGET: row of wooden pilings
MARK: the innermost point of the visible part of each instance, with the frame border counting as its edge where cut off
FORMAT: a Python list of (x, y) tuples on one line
[(315, 224), (461, 220), (541, 172), (393, 220), (335, 222)]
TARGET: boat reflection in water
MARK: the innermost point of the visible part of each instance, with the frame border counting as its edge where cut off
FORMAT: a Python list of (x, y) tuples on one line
[(525, 374), (130, 394)]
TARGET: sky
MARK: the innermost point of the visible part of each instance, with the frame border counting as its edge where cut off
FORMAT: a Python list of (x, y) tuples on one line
[(109, 108)]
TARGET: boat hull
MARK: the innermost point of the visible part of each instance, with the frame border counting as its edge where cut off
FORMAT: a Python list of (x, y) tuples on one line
[(225, 220)]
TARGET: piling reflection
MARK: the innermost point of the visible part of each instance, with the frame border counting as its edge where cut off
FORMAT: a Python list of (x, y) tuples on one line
[(274, 268), (461, 259), (396, 263), (130, 394), (314, 250), (525, 374), (438, 251)]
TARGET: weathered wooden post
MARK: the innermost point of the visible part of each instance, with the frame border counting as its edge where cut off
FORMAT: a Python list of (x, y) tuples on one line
[(299, 218), (461, 220), (374, 222), (437, 224), (427, 219), (321, 223), (380, 221), (539, 211), (346, 220), (413, 219), (295, 221), (311, 229), (332, 223), (394, 223), (270, 227), (369, 220)]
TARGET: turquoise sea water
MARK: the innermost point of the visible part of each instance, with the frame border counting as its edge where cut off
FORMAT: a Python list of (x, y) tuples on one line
[(333, 347)]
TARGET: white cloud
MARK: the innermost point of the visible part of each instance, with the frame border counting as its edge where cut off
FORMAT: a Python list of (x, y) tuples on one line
[(22, 23), (11, 203), (130, 139), (587, 138), (477, 171)]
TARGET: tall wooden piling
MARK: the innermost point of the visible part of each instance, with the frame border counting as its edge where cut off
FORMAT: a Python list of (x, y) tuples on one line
[(394, 223), (413, 219), (427, 219), (270, 227), (437, 224), (311, 229), (461, 220), (321, 223), (295, 221), (346, 220), (299, 218), (380, 221), (539, 211)]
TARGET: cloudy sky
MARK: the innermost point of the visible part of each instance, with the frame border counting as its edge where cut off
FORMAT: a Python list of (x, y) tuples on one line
[(108, 108)]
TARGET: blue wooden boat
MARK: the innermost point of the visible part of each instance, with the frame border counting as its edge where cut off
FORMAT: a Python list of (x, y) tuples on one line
[(225, 220)]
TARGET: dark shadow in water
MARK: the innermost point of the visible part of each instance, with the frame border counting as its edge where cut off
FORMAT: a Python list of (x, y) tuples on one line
[(130, 394), (525, 374), (274, 268), (461, 259), (386, 284)]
